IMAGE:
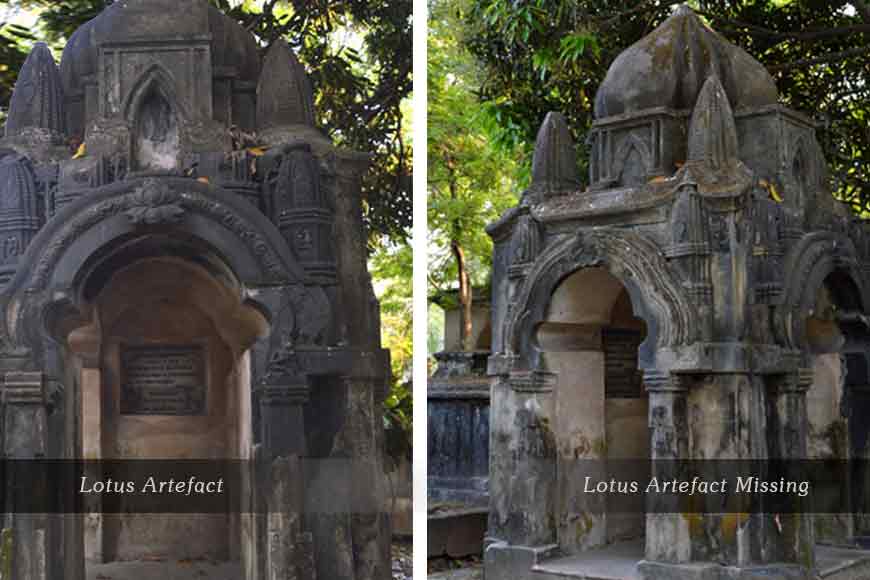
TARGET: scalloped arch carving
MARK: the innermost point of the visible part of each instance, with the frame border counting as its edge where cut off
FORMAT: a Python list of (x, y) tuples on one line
[(807, 265), (633, 259)]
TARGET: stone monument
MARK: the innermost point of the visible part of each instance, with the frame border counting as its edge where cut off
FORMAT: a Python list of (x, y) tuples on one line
[(170, 292), (704, 298)]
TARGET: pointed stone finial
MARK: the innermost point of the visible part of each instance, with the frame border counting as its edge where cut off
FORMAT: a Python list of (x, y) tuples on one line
[(284, 92), (712, 132), (37, 100), (554, 164)]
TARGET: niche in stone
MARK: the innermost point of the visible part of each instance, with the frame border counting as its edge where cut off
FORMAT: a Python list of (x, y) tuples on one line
[(590, 338), (156, 132)]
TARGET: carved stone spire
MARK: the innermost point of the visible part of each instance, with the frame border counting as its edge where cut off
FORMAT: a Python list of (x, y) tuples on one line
[(554, 164), (19, 212), (712, 132), (37, 101), (284, 92)]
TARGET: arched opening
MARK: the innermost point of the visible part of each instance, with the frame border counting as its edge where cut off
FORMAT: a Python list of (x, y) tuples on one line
[(590, 337), (163, 373), (838, 401), (156, 132)]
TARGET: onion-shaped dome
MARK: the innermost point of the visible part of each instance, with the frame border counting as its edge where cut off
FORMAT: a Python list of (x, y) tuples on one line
[(37, 101), (232, 46), (668, 68)]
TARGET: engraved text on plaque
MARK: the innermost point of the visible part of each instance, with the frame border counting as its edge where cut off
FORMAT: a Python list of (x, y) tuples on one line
[(163, 380)]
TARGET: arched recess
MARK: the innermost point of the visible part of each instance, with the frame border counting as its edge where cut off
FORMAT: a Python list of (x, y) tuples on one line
[(824, 316), (235, 233), (632, 162), (156, 118), (635, 261), (589, 341), (171, 232), (804, 172), (161, 370), (809, 263)]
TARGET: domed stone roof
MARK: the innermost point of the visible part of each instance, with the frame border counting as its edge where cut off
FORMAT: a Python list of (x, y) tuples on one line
[(232, 45), (668, 68)]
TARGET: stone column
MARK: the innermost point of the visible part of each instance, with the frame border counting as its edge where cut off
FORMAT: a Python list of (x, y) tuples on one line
[(522, 526), (667, 534), (795, 540), (727, 422), (288, 550), (25, 436)]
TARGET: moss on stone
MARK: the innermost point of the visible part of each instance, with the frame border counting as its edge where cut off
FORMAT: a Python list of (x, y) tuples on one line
[(6, 554)]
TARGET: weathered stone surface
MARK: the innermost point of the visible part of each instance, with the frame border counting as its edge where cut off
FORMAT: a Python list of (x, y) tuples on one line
[(554, 164), (284, 93), (37, 101), (182, 297), (668, 67), (707, 237)]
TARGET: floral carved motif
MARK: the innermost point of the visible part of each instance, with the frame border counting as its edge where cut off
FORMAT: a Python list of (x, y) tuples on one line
[(155, 203)]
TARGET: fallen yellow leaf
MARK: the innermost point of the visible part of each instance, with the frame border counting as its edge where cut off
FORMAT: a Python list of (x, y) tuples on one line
[(80, 152), (257, 151), (771, 190)]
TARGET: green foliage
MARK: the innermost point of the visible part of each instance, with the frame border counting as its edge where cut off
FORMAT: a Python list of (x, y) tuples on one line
[(471, 181), (12, 55), (392, 268), (543, 55), (357, 52)]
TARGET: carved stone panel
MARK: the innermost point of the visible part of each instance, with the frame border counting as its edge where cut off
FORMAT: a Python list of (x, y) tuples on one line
[(163, 380)]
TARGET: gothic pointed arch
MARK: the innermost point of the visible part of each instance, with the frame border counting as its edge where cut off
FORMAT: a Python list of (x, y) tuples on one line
[(154, 78), (633, 161), (155, 116)]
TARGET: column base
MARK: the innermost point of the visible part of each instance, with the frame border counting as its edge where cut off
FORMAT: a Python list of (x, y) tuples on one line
[(503, 561)]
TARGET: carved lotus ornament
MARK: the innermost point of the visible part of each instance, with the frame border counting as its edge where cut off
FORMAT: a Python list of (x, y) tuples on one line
[(155, 203)]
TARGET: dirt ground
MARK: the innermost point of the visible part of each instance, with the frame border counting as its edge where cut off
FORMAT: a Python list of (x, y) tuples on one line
[(401, 567)]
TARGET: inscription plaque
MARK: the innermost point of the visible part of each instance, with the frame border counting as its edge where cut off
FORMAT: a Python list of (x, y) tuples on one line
[(163, 380), (622, 379)]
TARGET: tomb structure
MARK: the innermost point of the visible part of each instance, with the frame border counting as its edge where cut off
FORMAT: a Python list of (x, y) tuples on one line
[(704, 298), (184, 276)]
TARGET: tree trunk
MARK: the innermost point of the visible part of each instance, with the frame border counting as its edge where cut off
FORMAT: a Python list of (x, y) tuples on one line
[(462, 269), (464, 296)]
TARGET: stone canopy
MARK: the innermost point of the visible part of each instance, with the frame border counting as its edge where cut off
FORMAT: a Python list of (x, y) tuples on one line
[(701, 299), (183, 276)]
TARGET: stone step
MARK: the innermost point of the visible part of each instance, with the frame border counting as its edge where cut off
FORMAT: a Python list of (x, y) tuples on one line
[(614, 562), (619, 562), (843, 563)]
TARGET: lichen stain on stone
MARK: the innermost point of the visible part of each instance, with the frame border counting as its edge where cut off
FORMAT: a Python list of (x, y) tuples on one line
[(6, 554), (695, 522), (583, 524), (728, 526), (578, 446)]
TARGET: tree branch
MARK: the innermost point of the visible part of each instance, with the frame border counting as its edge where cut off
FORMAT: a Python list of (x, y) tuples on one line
[(830, 57), (804, 35)]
